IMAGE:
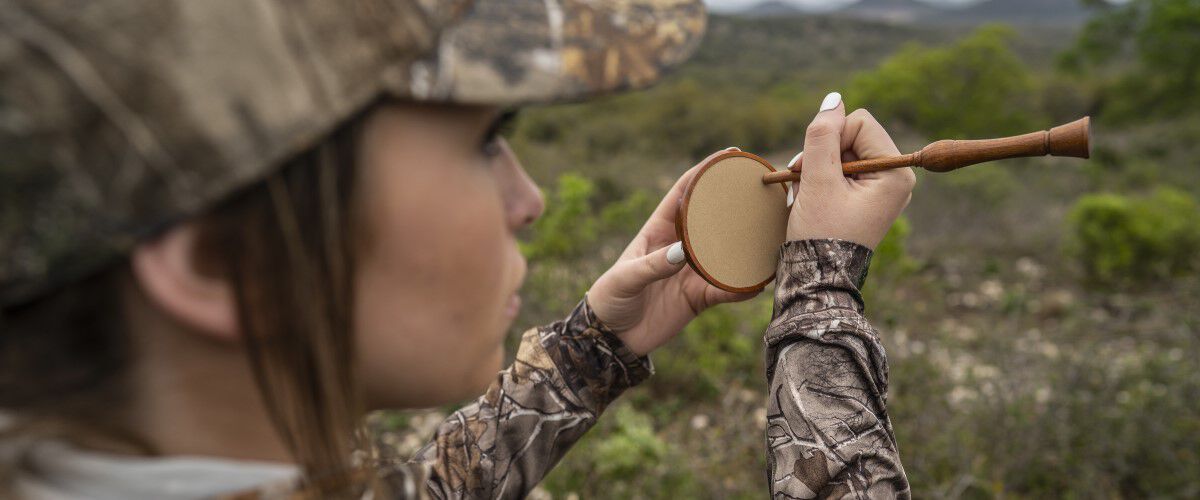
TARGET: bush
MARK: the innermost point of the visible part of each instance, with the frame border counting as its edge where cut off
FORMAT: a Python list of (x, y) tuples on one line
[(976, 87), (566, 227), (1122, 240), (586, 225), (715, 349), (580, 212), (681, 118), (1145, 58), (891, 256), (627, 456)]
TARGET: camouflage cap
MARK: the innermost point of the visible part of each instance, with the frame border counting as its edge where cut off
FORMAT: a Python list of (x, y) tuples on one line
[(120, 116)]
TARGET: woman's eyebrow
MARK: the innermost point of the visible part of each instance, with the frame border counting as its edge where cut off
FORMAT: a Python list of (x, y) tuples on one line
[(501, 124)]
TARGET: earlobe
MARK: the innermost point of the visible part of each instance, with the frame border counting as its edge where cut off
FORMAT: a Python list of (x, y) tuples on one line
[(166, 271)]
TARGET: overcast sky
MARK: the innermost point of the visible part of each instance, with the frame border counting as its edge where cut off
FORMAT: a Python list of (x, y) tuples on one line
[(827, 4)]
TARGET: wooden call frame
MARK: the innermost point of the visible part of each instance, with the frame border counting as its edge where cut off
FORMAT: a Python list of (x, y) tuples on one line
[(681, 230)]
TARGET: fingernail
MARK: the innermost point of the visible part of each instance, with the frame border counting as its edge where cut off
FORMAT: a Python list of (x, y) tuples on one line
[(795, 160), (733, 148), (675, 253), (791, 197), (831, 101)]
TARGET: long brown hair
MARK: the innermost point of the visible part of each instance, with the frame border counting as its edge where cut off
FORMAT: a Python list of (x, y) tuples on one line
[(287, 246)]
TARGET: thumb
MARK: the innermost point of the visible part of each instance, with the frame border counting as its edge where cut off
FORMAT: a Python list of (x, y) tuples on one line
[(642, 271), (823, 143)]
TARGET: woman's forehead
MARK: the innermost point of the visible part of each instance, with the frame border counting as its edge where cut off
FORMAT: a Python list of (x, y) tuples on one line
[(420, 115)]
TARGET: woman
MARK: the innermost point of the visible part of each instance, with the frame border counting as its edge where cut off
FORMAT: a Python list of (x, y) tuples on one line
[(241, 227)]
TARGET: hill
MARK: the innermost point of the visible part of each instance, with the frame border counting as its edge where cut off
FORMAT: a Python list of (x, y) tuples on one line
[(895, 11), (1029, 12), (1021, 11)]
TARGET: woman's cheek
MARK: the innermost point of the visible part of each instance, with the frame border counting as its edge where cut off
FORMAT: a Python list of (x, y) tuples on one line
[(486, 252)]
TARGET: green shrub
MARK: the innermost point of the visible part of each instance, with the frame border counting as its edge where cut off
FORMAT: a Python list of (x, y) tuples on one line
[(988, 187), (631, 447), (626, 455), (1121, 240), (681, 118), (586, 224), (1144, 57), (579, 213), (566, 227), (715, 349), (891, 256), (625, 217), (977, 87), (890, 264)]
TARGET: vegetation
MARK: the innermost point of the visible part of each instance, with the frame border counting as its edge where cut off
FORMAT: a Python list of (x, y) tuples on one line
[(1144, 57), (1040, 317), (1119, 239), (930, 88)]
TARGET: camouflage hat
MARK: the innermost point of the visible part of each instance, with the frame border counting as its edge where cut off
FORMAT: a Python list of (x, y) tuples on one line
[(118, 117)]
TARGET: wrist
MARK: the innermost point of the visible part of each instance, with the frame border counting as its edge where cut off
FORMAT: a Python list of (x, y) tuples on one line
[(821, 273), (811, 233), (627, 340)]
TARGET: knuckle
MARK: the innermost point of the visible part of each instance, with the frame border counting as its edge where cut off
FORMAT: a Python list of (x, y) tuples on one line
[(819, 129), (863, 115), (901, 186), (899, 182)]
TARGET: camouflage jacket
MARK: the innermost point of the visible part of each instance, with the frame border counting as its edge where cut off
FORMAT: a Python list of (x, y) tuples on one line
[(828, 433)]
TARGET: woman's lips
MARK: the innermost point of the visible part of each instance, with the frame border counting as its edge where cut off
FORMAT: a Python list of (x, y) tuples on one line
[(513, 307)]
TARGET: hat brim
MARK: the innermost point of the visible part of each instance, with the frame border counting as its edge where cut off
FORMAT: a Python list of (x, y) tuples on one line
[(514, 52)]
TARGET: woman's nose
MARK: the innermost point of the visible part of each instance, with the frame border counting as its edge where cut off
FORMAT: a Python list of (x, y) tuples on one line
[(522, 198)]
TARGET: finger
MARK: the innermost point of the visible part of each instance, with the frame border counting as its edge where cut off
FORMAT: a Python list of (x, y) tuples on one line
[(863, 138), (797, 160), (823, 144), (714, 296), (669, 205), (794, 166), (636, 274), (866, 138), (659, 227)]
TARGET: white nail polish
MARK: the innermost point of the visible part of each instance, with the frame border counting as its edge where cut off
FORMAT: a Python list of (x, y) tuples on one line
[(675, 253), (733, 148), (791, 197), (795, 160), (831, 101)]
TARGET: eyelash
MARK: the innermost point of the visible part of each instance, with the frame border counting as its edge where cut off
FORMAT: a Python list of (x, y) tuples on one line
[(490, 146)]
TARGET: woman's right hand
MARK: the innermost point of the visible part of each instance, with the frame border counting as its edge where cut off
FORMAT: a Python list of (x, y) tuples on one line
[(828, 204)]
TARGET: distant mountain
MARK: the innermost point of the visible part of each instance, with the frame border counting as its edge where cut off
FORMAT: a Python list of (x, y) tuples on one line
[(1022, 11), (1057, 12), (897, 11), (771, 8)]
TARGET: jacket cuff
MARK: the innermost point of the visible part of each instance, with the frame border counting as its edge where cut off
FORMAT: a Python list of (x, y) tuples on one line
[(594, 362), (818, 275), (817, 290)]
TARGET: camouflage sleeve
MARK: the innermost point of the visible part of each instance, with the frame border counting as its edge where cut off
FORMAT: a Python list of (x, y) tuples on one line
[(828, 432), (504, 443)]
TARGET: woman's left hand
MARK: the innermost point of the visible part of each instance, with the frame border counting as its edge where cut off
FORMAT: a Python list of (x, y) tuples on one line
[(645, 298)]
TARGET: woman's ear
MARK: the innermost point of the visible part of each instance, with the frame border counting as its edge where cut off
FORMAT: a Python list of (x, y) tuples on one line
[(167, 271)]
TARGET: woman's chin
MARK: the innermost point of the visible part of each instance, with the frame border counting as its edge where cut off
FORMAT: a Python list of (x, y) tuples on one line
[(480, 378), (490, 368)]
